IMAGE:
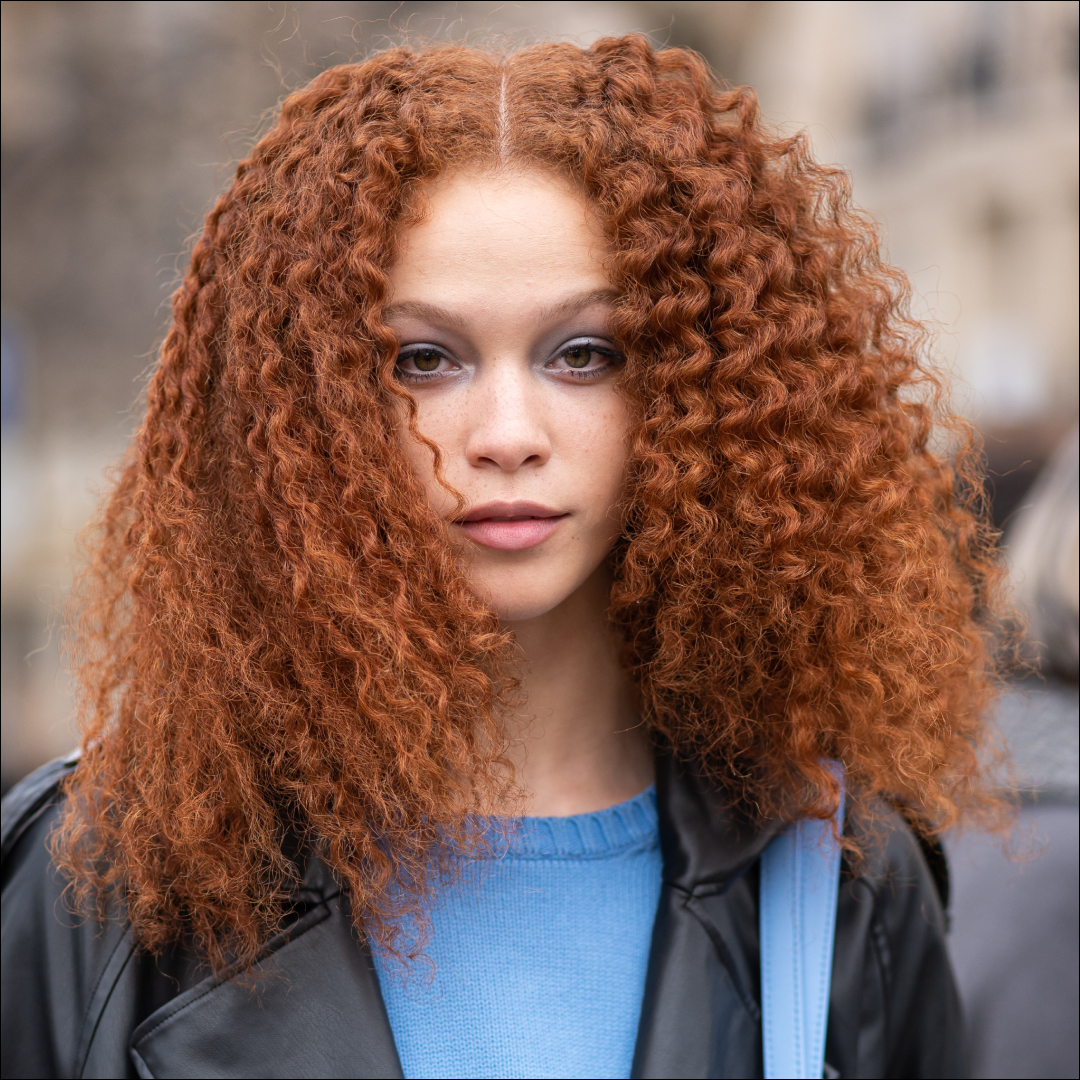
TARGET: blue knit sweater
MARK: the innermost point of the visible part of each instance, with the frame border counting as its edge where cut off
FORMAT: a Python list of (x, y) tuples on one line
[(538, 956)]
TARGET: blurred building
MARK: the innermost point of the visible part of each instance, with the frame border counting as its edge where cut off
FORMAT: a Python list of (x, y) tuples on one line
[(958, 121), (959, 124)]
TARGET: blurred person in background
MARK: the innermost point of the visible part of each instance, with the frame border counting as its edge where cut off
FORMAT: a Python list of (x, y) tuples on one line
[(1044, 553), (534, 475), (1016, 913)]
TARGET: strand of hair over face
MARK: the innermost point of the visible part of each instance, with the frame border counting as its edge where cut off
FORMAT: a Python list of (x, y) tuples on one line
[(279, 655)]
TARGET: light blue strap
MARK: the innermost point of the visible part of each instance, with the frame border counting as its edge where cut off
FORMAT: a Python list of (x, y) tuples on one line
[(800, 876)]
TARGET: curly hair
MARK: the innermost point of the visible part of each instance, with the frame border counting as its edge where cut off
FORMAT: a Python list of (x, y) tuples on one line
[(274, 640)]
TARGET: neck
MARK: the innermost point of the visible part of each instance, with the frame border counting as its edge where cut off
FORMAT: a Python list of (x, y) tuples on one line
[(577, 743)]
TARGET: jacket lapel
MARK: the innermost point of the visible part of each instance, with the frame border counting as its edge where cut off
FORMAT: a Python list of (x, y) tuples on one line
[(700, 1016), (314, 1009)]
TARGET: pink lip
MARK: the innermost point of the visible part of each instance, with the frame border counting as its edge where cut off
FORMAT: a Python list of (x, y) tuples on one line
[(510, 526)]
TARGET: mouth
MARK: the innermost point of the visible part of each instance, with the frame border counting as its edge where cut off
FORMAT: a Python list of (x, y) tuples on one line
[(510, 526)]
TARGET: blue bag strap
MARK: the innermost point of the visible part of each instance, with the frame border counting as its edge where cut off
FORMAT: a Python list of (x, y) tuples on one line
[(800, 877)]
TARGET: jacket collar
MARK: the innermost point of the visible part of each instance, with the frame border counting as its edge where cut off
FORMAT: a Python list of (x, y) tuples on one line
[(700, 1015), (706, 842)]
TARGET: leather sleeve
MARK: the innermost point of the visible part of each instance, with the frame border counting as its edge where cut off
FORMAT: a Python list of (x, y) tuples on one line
[(80, 1001), (892, 982), (60, 973)]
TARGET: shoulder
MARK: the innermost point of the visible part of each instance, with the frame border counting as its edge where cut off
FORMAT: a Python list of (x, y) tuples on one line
[(894, 894), (902, 872), (31, 883), (30, 798), (894, 998), (55, 963)]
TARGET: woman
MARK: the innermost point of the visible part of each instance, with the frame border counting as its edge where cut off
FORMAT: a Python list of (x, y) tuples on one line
[(535, 495)]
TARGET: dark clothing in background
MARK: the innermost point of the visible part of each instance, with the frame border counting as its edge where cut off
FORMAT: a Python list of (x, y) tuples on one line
[(1014, 944), (79, 1000)]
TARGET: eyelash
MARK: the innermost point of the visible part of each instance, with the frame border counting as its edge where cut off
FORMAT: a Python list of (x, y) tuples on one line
[(609, 354), (421, 377)]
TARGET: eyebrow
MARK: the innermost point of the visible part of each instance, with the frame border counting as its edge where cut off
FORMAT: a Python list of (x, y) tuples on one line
[(432, 313), (573, 304)]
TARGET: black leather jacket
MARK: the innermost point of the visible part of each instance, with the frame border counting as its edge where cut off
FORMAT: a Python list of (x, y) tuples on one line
[(80, 1001)]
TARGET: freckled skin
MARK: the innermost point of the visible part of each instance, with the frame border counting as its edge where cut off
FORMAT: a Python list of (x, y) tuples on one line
[(499, 255)]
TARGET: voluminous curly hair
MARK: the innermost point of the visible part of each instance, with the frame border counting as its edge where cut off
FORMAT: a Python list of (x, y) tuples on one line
[(274, 640)]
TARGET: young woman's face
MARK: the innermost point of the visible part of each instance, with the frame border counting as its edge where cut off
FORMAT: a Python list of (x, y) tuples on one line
[(502, 310)]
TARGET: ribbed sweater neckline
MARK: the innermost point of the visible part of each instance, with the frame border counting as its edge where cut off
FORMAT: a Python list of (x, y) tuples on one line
[(614, 831)]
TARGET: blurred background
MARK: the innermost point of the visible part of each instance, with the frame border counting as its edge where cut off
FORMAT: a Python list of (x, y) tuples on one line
[(958, 122)]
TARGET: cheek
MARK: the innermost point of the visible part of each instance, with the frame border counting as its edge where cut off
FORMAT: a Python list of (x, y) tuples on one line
[(599, 447), (432, 426)]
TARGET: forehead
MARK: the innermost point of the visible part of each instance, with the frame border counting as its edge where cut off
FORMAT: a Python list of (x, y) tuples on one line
[(526, 238)]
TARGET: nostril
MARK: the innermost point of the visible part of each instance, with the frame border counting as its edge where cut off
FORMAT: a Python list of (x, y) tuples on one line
[(508, 453)]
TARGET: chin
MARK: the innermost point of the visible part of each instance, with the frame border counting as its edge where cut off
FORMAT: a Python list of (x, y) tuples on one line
[(528, 592), (519, 600), (523, 607)]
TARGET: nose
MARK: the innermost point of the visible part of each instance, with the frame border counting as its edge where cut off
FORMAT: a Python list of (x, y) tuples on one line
[(507, 422)]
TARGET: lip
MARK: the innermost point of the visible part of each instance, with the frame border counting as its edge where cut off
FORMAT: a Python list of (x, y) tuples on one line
[(510, 526)]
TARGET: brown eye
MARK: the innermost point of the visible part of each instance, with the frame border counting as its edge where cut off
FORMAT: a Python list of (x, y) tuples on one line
[(584, 359), (427, 360)]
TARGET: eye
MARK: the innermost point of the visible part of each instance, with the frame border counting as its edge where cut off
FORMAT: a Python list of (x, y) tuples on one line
[(578, 356), (418, 363), (584, 359)]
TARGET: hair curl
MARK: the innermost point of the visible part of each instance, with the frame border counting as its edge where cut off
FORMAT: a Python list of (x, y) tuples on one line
[(274, 639)]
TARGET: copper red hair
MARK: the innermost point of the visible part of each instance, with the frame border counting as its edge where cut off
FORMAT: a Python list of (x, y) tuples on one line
[(275, 640)]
